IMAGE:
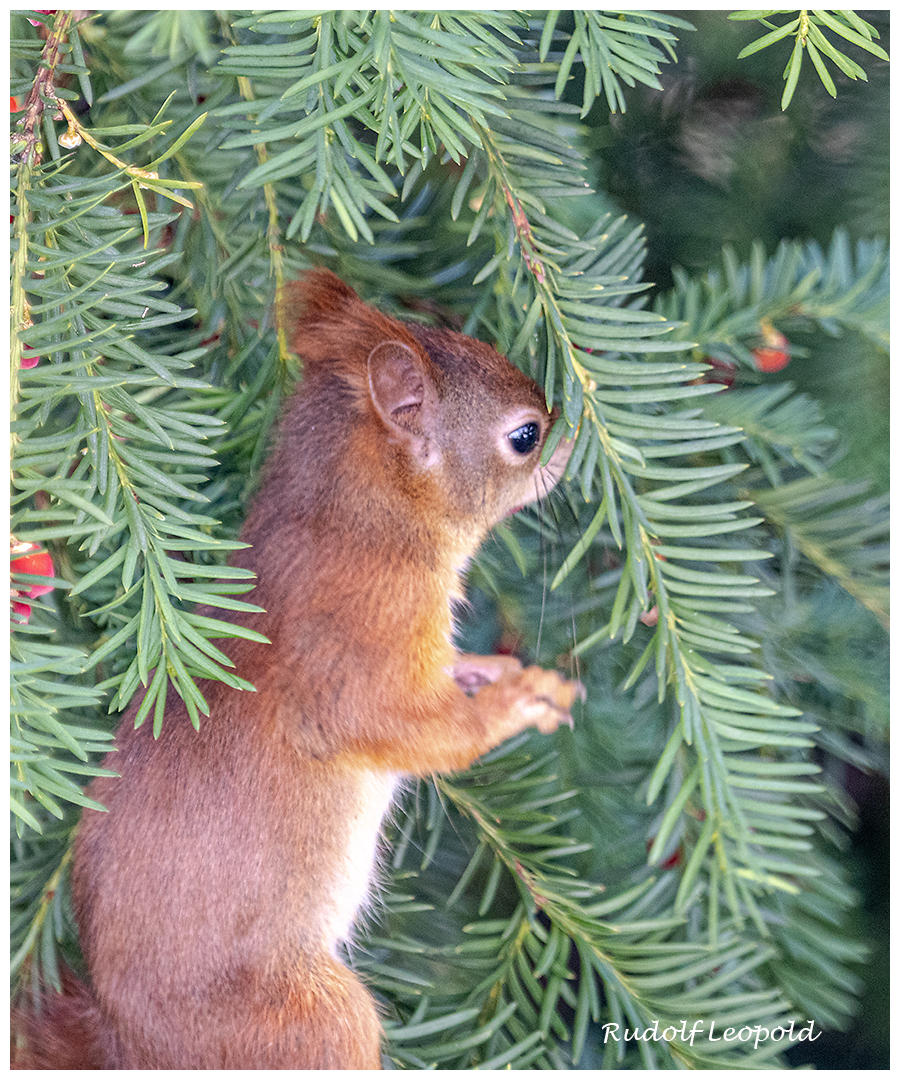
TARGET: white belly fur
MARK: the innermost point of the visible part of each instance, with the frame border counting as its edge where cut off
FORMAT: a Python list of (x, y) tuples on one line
[(353, 876)]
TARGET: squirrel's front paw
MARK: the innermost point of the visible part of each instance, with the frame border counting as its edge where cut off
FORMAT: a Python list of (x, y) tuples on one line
[(546, 698), (511, 698), (470, 671)]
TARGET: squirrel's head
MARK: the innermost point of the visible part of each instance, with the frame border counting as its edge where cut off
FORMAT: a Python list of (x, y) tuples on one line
[(451, 423)]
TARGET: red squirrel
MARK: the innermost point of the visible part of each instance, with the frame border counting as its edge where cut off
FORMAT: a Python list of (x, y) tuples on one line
[(215, 895)]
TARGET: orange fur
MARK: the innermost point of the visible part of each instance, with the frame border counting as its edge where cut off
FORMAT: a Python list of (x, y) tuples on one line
[(215, 895)]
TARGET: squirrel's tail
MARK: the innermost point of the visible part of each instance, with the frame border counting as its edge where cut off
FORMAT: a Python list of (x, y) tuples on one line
[(62, 1031)]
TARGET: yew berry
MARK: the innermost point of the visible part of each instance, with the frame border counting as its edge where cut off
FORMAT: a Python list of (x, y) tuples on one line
[(28, 558), (773, 354)]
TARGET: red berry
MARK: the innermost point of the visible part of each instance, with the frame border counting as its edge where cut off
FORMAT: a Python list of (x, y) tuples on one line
[(34, 562), (773, 354), (770, 359), (31, 560)]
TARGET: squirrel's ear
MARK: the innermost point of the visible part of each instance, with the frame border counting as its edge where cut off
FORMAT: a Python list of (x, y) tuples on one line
[(405, 398), (324, 316), (329, 324)]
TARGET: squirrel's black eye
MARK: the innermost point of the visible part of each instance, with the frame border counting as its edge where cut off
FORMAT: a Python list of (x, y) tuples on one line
[(525, 438)]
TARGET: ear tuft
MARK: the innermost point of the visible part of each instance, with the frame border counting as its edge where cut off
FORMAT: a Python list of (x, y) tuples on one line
[(330, 324), (321, 293), (318, 298)]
